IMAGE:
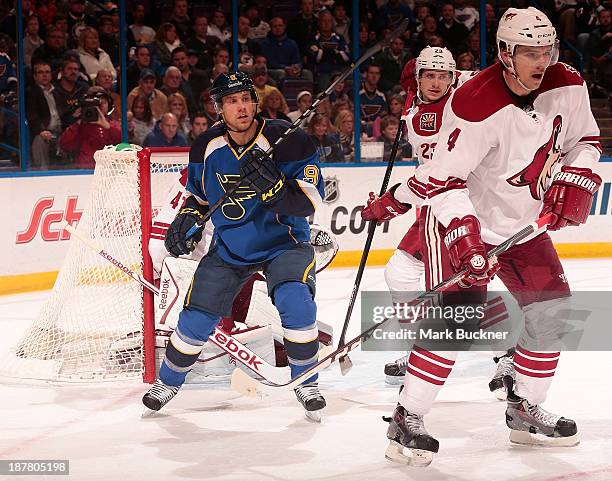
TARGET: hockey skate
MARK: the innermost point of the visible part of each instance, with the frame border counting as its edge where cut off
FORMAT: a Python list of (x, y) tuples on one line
[(159, 395), (407, 430), (396, 370), (311, 398), (505, 367), (530, 424)]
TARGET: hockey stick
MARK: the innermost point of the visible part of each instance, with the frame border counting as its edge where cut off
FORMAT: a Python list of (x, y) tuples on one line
[(244, 384), (345, 362), (296, 123), (224, 341)]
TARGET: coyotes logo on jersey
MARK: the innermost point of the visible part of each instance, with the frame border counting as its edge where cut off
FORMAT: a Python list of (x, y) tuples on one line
[(539, 171)]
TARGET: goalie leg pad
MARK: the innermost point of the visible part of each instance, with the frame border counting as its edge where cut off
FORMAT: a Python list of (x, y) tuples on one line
[(298, 311)]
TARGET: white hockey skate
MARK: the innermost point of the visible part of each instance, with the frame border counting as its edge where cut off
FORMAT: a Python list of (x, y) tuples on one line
[(407, 430), (396, 371), (505, 367), (159, 395), (530, 424), (311, 398)]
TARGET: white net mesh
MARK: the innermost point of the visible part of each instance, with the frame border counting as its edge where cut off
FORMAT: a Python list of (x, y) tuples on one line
[(91, 326)]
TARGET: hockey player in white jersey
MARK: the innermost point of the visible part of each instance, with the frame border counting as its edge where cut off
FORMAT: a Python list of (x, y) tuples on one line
[(517, 141), (435, 78)]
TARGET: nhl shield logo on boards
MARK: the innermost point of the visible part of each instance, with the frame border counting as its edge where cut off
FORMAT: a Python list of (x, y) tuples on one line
[(332, 193), (428, 122)]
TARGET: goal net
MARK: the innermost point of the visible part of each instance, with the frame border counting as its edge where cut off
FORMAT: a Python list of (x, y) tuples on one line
[(98, 323)]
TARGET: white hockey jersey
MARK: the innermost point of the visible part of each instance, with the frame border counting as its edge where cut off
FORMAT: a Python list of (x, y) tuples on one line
[(173, 202), (423, 122), (497, 152)]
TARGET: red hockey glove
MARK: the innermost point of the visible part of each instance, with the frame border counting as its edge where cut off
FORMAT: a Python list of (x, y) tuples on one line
[(570, 195), (382, 209), (467, 251)]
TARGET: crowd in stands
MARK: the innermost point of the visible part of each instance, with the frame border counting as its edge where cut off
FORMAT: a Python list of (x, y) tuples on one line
[(292, 49)]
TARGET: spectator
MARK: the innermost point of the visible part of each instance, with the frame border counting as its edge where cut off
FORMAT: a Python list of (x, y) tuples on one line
[(178, 106), (146, 86), (344, 124), (473, 47), (247, 48), (586, 19), (396, 107), (340, 105), (77, 21), (199, 125), (143, 34), (424, 38), (194, 81), (275, 106), (141, 120), (303, 27), (142, 60), (104, 79), (92, 57), (325, 107), (60, 21), (329, 52), (391, 15), (85, 137), (209, 109), (192, 58), (70, 92), (304, 102), (221, 56), (52, 51), (31, 39), (391, 61), (600, 43), (202, 43), (454, 33), (389, 125), (466, 14), (217, 70), (342, 21), (166, 41), (109, 40), (43, 115), (325, 139), (258, 29), (260, 82), (165, 133), (339, 91), (219, 27), (373, 103), (466, 61), (282, 53), (181, 20), (173, 83)]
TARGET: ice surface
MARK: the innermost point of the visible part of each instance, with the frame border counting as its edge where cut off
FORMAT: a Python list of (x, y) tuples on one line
[(214, 434)]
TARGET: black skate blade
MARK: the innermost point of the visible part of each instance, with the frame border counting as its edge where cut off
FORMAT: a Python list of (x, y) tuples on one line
[(529, 439), (418, 458)]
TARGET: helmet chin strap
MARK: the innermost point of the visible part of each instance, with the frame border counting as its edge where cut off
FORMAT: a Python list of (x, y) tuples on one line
[(516, 77)]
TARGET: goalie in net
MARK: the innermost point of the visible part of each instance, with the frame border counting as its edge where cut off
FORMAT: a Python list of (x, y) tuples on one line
[(254, 320)]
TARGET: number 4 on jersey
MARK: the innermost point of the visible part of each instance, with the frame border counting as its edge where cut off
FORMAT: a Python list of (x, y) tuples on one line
[(452, 138)]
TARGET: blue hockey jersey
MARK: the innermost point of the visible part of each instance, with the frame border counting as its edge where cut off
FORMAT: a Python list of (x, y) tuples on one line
[(246, 231)]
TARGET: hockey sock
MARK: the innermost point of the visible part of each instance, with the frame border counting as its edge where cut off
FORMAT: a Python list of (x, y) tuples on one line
[(298, 312), (193, 329), (425, 375)]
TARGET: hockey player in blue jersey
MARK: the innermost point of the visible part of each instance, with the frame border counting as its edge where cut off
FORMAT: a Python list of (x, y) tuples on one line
[(261, 227)]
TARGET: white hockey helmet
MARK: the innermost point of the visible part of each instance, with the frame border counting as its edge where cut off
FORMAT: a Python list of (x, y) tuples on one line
[(525, 26), (435, 58)]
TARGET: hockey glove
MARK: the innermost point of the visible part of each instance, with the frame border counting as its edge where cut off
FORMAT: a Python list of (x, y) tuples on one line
[(467, 251), (570, 195), (384, 208), (190, 213), (262, 175)]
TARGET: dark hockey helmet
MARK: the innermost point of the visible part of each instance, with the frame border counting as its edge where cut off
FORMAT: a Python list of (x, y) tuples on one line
[(231, 83)]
